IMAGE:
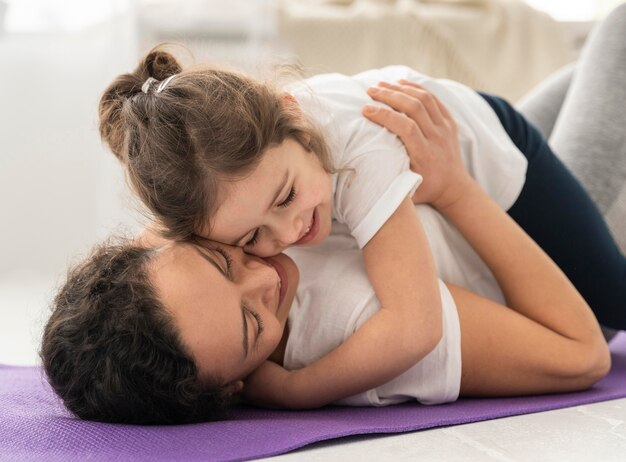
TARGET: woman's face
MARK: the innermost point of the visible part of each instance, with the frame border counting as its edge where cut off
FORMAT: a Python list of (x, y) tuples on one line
[(230, 307), (285, 201)]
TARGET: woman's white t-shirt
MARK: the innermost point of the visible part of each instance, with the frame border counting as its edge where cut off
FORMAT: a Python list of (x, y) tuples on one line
[(373, 180), (335, 298)]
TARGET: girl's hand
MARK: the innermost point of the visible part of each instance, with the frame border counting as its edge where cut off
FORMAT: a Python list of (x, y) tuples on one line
[(430, 136), (267, 385)]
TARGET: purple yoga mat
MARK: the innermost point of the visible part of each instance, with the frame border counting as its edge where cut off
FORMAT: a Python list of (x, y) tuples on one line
[(34, 425)]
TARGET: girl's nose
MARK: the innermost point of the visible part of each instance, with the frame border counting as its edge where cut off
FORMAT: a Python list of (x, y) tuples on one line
[(289, 231)]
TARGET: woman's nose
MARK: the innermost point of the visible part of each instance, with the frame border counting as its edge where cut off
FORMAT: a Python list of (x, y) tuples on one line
[(258, 279)]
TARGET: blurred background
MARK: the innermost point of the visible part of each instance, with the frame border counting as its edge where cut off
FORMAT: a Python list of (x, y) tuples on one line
[(61, 191)]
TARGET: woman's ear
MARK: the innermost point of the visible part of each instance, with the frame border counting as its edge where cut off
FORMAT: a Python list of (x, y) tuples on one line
[(234, 387)]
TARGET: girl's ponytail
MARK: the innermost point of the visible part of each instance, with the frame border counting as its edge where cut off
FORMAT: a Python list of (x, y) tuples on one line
[(114, 102)]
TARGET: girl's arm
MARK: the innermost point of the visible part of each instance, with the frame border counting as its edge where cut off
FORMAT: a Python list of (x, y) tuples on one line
[(403, 331), (550, 340)]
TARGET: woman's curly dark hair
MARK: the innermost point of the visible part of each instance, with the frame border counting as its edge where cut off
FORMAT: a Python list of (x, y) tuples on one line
[(111, 350)]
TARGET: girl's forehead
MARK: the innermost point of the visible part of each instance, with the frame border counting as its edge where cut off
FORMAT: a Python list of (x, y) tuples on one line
[(277, 161), (265, 180)]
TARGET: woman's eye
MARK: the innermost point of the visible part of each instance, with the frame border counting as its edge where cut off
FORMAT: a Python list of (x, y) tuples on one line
[(259, 321), (290, 198), (254, 239)]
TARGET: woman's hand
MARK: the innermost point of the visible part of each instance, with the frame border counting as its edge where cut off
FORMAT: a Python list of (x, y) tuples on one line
[(430, 136), (267, 386)]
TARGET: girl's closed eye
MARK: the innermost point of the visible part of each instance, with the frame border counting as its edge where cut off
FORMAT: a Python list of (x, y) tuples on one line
[(288, 200), (290, 197), (254, 239)]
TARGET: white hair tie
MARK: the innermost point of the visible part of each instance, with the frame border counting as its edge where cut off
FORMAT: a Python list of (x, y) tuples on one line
[(147, 84), (151, 80), (163, 84)]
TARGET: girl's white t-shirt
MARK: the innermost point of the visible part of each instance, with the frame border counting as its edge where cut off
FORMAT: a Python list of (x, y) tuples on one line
[(374, 179), (375, 175)]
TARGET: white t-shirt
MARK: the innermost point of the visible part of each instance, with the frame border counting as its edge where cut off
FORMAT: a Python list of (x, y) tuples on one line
[(335, 298), (376, 176), (332, 303)]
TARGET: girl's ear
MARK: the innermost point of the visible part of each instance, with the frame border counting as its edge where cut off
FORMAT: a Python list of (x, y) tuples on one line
[(288, 101), (234, 387), (291, 104)]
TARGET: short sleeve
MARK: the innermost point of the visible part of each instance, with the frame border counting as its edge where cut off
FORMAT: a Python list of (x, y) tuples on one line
[(373, 181)]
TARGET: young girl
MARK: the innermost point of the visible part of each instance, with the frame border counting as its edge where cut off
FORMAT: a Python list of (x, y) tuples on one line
[(217, 154)]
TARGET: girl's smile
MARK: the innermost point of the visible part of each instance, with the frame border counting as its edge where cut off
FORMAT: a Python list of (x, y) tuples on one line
[(311, 231)]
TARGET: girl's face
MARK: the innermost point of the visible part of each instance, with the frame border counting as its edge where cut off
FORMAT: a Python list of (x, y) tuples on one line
[(230, 308), (285, 201)]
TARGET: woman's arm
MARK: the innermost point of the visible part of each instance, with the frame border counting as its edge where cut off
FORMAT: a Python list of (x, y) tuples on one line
[(551, 341), (506, 353)]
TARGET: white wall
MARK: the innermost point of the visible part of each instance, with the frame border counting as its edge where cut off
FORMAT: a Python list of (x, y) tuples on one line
[(60, 190)]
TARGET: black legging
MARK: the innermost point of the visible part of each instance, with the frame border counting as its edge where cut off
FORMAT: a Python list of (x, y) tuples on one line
[(555, 210)]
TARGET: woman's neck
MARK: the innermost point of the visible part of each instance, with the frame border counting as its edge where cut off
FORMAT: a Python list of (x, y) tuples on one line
[(278, 355)]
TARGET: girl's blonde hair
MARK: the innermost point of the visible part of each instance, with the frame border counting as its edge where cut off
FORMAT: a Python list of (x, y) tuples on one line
[(206, 125)]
